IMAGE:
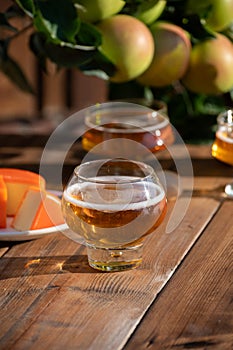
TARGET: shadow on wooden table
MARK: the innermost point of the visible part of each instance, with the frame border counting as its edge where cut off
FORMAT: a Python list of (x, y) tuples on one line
[(35, 266)]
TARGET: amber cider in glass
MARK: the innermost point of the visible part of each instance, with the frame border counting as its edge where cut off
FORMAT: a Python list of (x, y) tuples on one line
[(222, 148), (113, 205)]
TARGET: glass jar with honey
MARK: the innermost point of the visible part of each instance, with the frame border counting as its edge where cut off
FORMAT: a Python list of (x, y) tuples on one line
[(222, 148), (123, 121)]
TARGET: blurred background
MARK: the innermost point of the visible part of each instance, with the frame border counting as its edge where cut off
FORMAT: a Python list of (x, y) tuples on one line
[(59, 93)]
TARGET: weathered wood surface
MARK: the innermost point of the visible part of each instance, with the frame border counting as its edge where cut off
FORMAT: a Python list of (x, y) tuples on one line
[(50, 296), (180, 297), (195, 308), (25, 150)]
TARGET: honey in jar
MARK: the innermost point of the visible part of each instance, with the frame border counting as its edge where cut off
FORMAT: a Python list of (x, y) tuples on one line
[(121, 120), (222, 148)]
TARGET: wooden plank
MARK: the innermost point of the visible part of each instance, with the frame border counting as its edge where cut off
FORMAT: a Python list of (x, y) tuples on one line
[(210, 183), (3, 248), (61, 302), (211, 187), (26, 271), (202, 161), (195, 308)]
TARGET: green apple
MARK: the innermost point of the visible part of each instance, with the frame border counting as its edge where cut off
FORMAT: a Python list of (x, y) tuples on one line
[(128, 43), (149, 11), (217, 14), (171, 55), (210, 69), (96, 10)]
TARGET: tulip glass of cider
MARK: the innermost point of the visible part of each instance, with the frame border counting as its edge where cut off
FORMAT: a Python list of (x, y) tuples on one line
[(113, 205), (222, 148)]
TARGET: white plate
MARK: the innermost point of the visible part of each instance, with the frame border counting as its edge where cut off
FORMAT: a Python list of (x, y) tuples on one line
[(9, 234)]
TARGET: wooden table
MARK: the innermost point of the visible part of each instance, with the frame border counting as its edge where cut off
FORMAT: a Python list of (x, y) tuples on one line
[(180, 298)]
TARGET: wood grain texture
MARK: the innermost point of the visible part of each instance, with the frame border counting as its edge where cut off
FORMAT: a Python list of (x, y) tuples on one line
[(195, 308), (180, 298), (3, 249), (49, 295)]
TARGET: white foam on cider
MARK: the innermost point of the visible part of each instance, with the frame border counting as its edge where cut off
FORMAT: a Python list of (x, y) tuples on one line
[(222, 135), (154, 193)]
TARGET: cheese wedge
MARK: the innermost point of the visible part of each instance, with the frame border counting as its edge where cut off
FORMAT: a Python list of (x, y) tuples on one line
[(17, 182), (3, 202), (38, 209)]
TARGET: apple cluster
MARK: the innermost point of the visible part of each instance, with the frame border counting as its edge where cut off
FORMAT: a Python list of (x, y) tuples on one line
[(156, 52)]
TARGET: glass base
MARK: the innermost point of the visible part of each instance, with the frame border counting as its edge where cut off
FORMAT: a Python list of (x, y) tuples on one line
[(120, 259)]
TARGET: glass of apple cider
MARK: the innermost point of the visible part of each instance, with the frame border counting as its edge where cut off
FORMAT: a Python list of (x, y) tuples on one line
[(127, 121), (113, 204), (222, 148)]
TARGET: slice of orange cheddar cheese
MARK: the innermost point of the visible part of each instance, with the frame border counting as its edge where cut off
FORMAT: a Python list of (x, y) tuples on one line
[(3, 203), (38, 209), (17, 182)]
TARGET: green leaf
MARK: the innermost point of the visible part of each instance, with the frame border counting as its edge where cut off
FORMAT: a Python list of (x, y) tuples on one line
[(90, 61), (194, 26), (27, 6), (88, 35), (64, 56), (229, 32), (99, 65), (231, 96), (12, 70), (131, 6), (58, 19), (36, 44)]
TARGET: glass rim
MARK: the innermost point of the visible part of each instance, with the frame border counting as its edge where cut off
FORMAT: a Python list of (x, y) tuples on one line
[(143, 166), (133, 128), (226, 117)]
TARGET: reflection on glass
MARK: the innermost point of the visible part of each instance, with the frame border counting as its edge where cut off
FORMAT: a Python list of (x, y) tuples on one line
[(113, 204)]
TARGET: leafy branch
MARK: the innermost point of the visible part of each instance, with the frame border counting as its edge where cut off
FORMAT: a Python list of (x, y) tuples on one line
[(59, 33)]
